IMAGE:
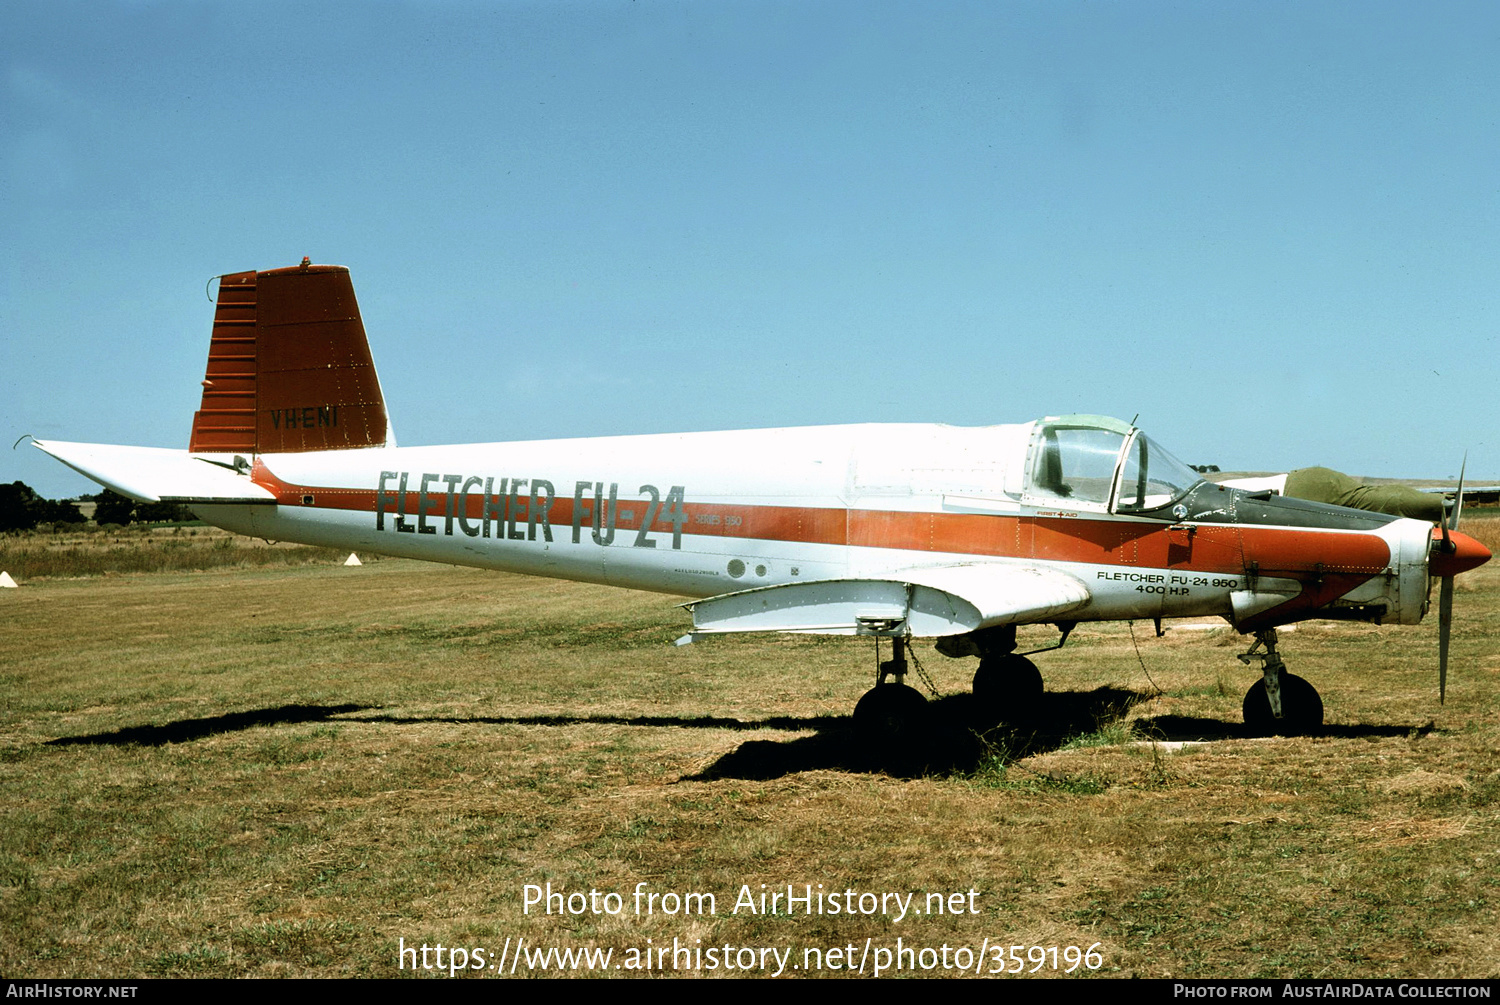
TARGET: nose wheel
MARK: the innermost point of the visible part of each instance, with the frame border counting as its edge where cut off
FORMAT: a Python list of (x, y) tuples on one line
[(1280, 702)]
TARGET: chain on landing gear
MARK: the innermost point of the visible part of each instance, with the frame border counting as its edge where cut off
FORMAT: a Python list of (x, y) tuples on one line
[(897, 665), (891, 718), (1279, 702)]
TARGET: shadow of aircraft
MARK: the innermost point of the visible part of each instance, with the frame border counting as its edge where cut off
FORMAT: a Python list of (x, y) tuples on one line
[(196, 729), (957, 739), (787, 723)]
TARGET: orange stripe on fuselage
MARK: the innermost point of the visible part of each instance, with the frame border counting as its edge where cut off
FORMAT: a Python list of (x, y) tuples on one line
[(1331, 563)]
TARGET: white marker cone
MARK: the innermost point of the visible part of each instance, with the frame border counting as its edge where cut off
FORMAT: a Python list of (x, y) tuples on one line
[(353, 559), (6, 582)]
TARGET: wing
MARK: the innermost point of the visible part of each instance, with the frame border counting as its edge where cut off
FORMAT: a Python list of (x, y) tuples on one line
[(942, 600)]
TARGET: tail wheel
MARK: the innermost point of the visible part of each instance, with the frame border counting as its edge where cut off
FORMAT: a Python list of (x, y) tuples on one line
[(1301, 708)]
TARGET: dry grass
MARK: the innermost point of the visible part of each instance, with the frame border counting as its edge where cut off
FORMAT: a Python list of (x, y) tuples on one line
[(282, 772), (91, 551), (1484, 527)]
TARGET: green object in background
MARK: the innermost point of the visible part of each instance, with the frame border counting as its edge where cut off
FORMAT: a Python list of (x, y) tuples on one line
[(1328, 486)]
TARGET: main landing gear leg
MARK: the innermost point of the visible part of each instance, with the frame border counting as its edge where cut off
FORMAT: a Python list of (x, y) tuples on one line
[(1279, 702), (891, 714)]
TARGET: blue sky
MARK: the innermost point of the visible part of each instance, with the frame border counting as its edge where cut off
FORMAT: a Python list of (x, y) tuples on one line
[(1271, 229)]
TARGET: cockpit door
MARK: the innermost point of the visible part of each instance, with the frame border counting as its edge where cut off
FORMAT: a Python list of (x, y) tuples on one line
[(1074, 465)]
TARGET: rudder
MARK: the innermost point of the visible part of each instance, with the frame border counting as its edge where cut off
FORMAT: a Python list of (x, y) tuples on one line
[(289, 367)]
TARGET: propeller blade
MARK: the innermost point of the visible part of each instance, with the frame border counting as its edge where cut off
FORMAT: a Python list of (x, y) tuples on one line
[(1445, 630), (1448, 552), (1455, 553), (1458, 497)]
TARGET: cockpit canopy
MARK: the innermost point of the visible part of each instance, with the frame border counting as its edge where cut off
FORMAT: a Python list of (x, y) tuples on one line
[(1095, 462)]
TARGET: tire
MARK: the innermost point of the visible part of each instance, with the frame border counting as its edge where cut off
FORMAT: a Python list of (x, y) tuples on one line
[(890, 718), (1007, 688), (1301, 708)]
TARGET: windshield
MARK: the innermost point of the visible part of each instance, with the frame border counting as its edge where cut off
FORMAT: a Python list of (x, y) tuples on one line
[(1151, 477)]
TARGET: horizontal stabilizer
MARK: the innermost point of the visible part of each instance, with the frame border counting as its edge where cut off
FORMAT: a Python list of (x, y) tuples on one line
[(927, 602), (156, 474)]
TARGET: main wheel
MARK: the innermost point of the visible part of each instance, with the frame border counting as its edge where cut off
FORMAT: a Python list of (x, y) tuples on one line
[(890, 716), (1301, 708), (1007, 688)]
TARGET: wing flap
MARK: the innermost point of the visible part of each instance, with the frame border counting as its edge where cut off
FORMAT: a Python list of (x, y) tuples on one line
[(156, 474), (928, 602)]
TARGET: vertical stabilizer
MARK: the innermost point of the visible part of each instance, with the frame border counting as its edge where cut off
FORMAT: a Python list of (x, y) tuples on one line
[(289, 368)]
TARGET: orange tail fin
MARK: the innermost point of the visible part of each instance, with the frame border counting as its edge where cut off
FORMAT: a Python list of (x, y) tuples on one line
[(289, 368)]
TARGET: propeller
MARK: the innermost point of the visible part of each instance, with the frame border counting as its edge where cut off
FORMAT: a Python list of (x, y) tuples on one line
[(1445, 592), (1452, 554)]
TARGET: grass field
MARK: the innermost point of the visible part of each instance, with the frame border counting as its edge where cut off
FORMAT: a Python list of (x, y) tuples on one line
[(295, 771), (97, 551)]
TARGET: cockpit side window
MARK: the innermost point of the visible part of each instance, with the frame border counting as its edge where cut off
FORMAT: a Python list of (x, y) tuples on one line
[(1076, 464)]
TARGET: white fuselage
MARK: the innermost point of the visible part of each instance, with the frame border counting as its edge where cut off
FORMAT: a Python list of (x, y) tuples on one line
[(703, 514)]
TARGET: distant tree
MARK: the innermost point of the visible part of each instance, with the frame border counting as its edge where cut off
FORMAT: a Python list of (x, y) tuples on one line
[(161, 512), (57, 511), (18, 507), (112, 507), (22, 509)]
